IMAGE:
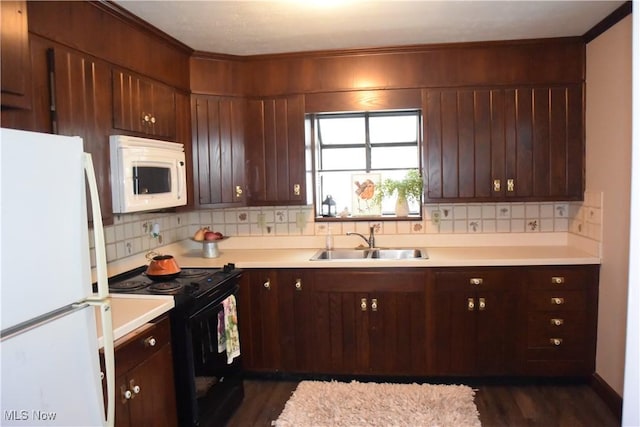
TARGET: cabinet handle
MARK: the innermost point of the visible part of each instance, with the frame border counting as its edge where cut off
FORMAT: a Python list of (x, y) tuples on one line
[(298, 284), (374, 304), (557, 322), (471, 305), (482, 304), (267, 284), (150, 342), (153, 120), (496, 185), (556, 341), (238, 191), (296, 189), (126, 394), (475, 281), (134, 387), (557, 280), (557, 301), (363, 304), (511, 185)]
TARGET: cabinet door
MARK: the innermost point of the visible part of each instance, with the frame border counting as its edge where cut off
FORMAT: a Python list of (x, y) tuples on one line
[(143, 106), (16, 65), (218, 150), (82, 108), (276, 151), (475, 314), (259, 320), (154, 403), (369, 322), (504, 144)]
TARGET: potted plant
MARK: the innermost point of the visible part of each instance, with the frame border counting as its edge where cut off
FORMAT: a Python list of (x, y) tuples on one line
[(407, 189)]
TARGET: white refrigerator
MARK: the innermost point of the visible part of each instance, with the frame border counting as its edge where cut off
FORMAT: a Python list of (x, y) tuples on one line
[(49, 354)]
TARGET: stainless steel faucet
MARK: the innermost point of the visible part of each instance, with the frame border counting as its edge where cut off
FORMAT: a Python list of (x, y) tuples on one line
[(371, 241)]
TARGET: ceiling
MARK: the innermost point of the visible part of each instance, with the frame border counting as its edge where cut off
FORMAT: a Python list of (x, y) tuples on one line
[(241, 27)]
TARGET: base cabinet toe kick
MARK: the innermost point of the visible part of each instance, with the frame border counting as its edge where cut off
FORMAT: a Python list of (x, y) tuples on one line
[(515, 321)]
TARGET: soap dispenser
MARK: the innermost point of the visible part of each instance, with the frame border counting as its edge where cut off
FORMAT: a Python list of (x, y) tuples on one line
[(328, 244)]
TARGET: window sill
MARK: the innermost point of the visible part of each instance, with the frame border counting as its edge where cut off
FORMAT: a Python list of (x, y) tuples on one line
[(373, 218)]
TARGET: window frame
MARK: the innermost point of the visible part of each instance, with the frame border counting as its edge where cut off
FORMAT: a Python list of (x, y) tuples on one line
[(317, 146)]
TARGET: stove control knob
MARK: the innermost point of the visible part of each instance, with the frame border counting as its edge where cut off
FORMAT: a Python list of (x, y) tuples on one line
[(228, 267)]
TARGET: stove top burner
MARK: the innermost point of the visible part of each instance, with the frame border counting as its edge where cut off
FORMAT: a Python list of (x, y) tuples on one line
[(128, 285), (166, 287), (192, 273)]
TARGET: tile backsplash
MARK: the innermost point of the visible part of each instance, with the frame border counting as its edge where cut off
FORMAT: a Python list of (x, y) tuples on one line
[(135, 233)]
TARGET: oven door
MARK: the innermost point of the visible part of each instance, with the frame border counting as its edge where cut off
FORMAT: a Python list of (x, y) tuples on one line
[(215, 386)]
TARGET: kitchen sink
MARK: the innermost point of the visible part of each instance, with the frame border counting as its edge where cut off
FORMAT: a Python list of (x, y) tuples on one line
[(370, 254)]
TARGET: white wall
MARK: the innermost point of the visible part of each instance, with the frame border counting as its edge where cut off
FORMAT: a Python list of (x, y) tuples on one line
[(608, 169), (631, 410)]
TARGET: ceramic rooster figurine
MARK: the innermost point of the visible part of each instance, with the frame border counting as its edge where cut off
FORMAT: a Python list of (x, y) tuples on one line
[(365, 191)]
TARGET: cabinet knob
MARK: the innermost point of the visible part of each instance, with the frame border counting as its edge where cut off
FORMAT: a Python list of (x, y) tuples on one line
[(238, 191), (374, 304), (471, 305), (298, 284), (511, 185), (267, 284), (482, 304), (296, 189), (476, 281), (153, 120), (556, 341), (134, 387), (496, 185), (557, 322), (363, 304), (127, 394), (557, 301), (150, 342), (557, 280)]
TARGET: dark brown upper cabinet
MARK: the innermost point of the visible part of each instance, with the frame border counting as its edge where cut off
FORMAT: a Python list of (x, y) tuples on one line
[(276, 151), (143, 106), (82, 107), (16, 65), (218, 150), (504, 144)]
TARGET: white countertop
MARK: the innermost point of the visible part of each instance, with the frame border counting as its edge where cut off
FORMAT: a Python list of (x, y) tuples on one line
[(438, 257), (129, 312)]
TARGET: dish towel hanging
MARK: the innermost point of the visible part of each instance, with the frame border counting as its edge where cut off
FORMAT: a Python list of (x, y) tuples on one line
[(228, 335)]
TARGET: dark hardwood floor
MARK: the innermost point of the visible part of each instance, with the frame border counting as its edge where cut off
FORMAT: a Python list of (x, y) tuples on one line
[(498, 405)]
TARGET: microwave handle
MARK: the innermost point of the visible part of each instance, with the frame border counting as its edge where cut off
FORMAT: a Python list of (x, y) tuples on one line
[(181, 179)]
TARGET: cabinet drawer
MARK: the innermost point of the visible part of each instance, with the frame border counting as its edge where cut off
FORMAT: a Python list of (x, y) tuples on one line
[(570, 327), (134, 348), (566, 278), (557, 300), (471, 280)]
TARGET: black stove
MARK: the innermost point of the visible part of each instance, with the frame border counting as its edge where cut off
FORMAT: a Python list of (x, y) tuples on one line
[(191, 285)]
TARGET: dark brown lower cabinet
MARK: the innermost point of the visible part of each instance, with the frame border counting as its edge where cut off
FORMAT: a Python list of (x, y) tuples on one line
[(145, 393), (475, 322), (454, 321), (369, 321)]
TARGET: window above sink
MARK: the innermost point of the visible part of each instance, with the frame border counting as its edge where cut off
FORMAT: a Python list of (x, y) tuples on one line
[(356, 155)]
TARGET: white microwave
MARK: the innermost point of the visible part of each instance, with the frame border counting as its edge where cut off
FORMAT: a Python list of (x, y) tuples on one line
[(146, 174)]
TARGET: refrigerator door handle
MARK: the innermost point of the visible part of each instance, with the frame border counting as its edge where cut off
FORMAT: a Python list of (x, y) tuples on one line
[(98, 231), (109, 356)]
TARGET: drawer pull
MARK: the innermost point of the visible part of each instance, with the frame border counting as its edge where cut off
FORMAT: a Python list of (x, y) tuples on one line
[(556, 341), (557, 280), (471, 305), (557, 322), (150, 342), (374, 304), (363, 304), (476, 281), (557, 301), (267, 284), (298, 284)]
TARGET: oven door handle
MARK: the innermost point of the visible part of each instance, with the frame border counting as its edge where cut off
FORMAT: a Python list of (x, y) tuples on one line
[(215, 302)]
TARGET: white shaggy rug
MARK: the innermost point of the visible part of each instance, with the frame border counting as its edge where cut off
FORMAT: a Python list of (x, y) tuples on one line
[(318, 403)]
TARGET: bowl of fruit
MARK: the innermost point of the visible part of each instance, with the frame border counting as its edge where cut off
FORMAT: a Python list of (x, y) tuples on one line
[(209, 240)]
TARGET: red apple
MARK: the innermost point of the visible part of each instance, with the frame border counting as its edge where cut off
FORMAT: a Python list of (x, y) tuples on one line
[(212, 235)]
